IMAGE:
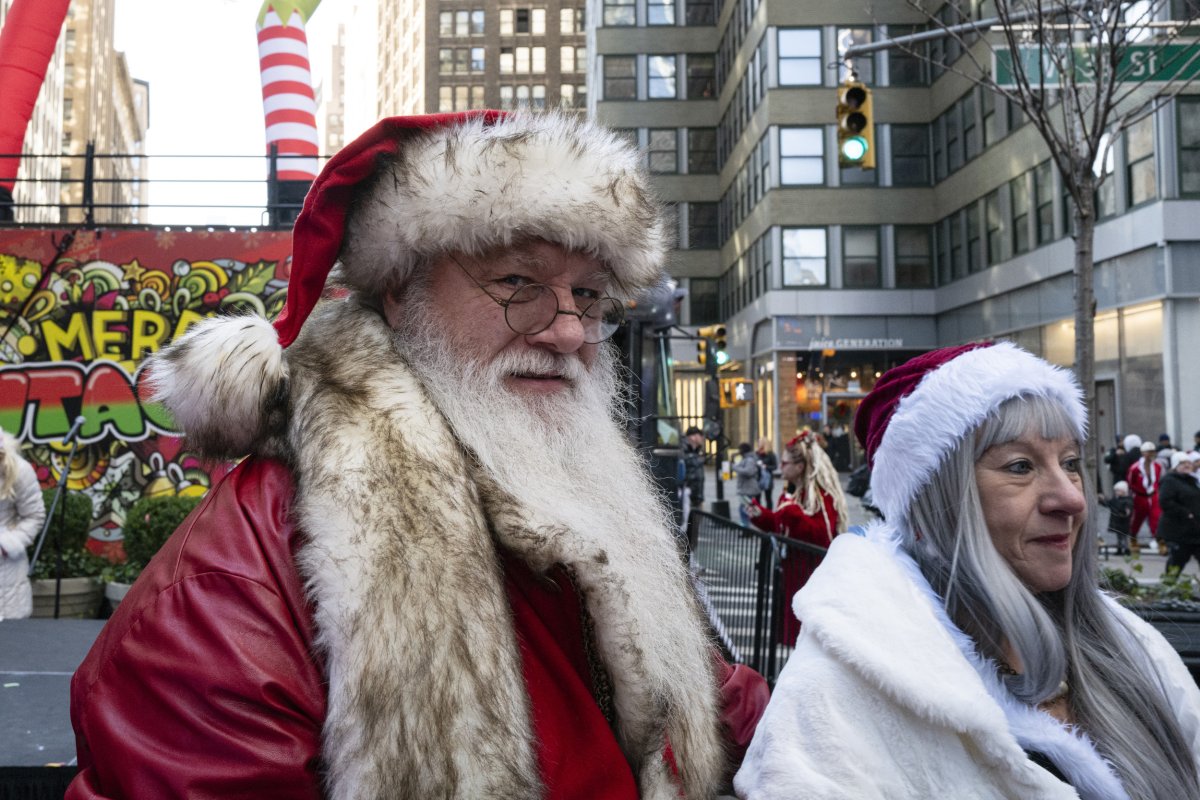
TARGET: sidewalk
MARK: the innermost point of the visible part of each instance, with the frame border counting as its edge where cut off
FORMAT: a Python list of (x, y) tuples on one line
[(1151, 563)]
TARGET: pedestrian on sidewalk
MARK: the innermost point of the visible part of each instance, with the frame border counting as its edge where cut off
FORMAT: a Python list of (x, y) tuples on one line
[(22, 513), (1120, 510), (441, 570), (963, 647), (768, 463), (811, 509), (1143, 478), (745, 467), (1179, 525)]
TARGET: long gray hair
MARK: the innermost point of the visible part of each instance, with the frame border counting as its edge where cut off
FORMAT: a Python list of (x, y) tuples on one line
[(1116, 696)]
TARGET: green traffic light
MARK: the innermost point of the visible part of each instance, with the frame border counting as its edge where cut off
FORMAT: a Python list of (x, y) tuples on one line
[(855, 148), (722, 358)]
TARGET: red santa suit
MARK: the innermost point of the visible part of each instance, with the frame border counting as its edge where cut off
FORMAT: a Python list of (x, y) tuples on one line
[(791, 520), (1143, 484)]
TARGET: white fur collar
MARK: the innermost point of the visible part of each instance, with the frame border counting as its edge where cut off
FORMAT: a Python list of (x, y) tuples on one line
[(909, 647)]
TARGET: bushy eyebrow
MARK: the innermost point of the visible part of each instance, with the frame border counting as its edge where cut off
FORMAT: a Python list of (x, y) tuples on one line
[(543, 268)]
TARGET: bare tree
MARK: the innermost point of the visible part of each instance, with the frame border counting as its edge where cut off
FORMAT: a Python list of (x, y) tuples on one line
[(1082, 71)]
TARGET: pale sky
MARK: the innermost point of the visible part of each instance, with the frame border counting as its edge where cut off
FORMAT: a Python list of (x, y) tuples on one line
[(201, 61)]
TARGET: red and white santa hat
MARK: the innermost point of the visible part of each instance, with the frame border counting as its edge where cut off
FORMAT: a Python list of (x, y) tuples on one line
[(415, 187), (919, 411), (409, 189)]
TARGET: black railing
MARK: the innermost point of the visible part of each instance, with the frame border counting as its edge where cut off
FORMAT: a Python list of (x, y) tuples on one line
[(111, 189), (745, 579)]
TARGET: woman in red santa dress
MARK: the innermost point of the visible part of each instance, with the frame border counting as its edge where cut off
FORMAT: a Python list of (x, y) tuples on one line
[(811, 509)]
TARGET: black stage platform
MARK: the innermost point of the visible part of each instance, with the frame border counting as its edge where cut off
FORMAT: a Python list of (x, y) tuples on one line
[(37, 659)]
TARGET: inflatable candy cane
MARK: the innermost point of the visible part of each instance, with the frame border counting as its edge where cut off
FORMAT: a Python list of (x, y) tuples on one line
[(288, 100)]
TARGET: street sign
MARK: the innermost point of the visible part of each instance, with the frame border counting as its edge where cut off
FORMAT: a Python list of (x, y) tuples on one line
[(1139, 64)]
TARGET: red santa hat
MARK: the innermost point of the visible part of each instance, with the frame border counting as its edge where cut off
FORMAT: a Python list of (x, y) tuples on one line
[(919, 411), (406, 191)]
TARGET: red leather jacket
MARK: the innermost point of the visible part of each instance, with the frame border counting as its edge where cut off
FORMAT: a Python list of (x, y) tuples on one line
[(205, 683)]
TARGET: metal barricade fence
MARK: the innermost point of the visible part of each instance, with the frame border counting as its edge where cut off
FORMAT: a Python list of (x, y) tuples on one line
[(740, 580)]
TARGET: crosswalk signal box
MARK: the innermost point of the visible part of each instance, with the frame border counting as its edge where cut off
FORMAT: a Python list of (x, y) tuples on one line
[(736, 392)]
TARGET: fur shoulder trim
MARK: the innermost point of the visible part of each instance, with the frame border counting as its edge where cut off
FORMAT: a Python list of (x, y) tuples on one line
[(224, 383)]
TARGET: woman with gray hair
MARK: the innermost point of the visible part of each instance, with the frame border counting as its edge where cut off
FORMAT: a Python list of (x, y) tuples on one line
[(962, 648)]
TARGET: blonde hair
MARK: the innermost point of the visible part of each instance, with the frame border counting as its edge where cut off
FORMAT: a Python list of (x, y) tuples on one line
[(763, 444), (819, 477), (10, 458)]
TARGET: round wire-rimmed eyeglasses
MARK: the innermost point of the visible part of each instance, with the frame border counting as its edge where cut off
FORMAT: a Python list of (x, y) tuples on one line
[(532, 308)]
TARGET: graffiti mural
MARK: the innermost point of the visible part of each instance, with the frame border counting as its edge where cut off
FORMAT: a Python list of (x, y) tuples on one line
[(76, 327)]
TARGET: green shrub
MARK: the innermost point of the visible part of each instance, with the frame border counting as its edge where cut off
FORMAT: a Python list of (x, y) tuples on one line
[(71, 521), (69, 528), (150, 521)]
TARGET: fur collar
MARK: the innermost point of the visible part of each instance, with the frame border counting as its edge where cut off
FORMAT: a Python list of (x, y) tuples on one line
[(426, 696), (911, 648)]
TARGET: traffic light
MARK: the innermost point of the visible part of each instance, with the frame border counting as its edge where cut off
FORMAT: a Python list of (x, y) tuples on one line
[(702, 351), (719, 343), (856, 127)]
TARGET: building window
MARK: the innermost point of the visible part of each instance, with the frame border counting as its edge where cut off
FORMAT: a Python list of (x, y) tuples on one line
[(994, 219), (972, 140), (522, 20), (1189, 146), (914, 257), (445, 98), (661, 85), (539, 60), (506, 98), (446, 60), (801, 156), (860, 256), (991, 125), (910, 155), (446, 23), (507, 61), (662, 151), (700, 12), (1043, 191), (620, 78), (522, 97), (907, 68), (538, 98), (958, 245), (619, 12), (701, 76), (974, 238), (702, 151), (1139, 153), (573, 95), (477, 63), (703, 301), (702, 226), (571, 20), (660, 12), (1019, 190), (537, 21), (805, 257), (507, 26), (477, 100), (477, 22), (863, 67), (800, 57), (573, 59), (522, 60), (953, 128)]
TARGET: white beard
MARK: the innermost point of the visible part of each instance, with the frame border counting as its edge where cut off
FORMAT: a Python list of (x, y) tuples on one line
[(566, 455)]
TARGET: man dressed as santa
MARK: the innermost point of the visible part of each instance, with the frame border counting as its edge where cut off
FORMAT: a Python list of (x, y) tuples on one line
[(442, 571)]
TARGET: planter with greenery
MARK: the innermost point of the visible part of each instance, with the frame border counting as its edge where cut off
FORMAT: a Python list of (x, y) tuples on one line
[(80, 590), (1171, 606), (148, 524)]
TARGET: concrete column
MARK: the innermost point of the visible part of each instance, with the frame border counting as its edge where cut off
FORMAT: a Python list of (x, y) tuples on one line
[(785, 397)]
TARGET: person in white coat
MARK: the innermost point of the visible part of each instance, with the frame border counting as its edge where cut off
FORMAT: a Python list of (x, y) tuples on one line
[(21, 515), (961, 648)]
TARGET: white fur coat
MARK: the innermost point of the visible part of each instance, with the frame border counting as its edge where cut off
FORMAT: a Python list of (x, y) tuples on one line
[(20, 522), (883, 699)]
